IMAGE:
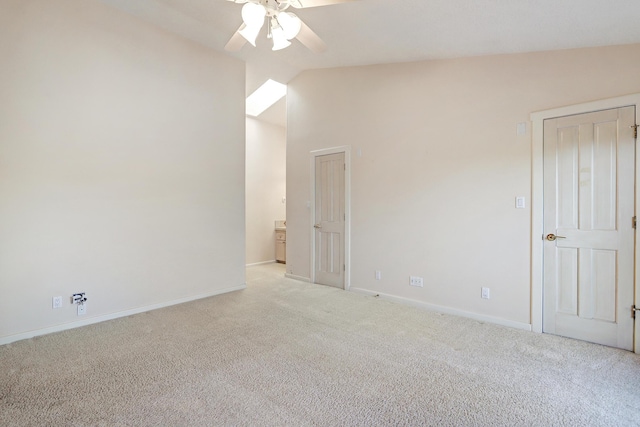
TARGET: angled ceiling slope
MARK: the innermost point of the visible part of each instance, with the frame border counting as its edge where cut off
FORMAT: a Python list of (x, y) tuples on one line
[(383, 31)]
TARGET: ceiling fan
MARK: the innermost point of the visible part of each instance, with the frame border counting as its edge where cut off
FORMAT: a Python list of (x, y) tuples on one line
[(282, 27)]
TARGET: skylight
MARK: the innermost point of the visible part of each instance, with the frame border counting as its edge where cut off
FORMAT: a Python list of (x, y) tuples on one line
[(264, 97)]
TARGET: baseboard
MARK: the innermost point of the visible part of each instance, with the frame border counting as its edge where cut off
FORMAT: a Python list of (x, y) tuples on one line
[(300, 278), (446, 310), (261, 263), (89, 321)]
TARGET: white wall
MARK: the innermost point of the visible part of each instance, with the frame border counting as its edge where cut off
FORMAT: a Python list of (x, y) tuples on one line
[(433, 194), (121, 165), (265, 187)]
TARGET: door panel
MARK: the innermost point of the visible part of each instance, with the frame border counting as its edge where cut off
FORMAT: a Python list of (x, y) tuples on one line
[(567, 158), (604, 177), (589, 172), (330, 220), (567, 261), (604, 286)]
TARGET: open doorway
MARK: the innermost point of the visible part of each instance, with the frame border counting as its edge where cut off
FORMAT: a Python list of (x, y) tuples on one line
[(265, 185)]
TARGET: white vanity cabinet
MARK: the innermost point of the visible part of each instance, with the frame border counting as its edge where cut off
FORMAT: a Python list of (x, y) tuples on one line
[(281, 246)]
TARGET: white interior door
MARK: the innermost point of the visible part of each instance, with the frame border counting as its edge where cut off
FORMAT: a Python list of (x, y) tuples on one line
[(589, 173), (329, 227)]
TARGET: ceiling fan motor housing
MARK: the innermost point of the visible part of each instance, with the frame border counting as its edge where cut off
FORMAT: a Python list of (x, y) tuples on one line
[(274, 6)]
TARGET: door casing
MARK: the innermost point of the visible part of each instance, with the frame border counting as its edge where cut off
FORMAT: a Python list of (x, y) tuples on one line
[(537, 203), (347, 210)]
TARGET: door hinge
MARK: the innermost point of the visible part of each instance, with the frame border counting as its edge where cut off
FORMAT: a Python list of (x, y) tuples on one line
[(344, 268), (635, 131), (633, 311), (634, 222)]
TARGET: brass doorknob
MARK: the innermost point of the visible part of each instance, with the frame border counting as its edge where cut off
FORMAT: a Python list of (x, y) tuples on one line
[(552, 237), (317, 226)]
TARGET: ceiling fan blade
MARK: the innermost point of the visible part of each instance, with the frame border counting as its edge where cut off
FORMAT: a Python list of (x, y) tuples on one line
[(236, 41), (300, 4), (307, 37)]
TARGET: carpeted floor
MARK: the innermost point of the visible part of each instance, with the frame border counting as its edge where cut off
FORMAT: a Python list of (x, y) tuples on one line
[(288, 353)]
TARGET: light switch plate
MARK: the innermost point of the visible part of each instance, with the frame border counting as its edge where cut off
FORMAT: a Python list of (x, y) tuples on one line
[(57, 302), (522, 129), (520, 202)]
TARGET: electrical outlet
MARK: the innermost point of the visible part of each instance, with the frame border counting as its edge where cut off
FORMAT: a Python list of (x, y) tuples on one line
[(378, 275), (416, 281), (57, 302), (82, 309), (486, 293)]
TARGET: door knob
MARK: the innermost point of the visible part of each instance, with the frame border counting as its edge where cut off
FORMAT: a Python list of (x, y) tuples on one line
[(552, 237), (317, 226)]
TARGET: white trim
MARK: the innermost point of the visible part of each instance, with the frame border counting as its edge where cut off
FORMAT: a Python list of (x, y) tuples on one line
[(446, 310), (90, 321), (537, 231), (300, 278), (346, 149), (261, 263)]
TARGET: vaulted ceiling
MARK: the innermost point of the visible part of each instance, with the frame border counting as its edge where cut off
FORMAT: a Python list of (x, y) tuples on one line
[(384, 31)]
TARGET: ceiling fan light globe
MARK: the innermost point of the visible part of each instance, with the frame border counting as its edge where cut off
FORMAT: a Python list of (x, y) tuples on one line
[(279, 39), (250, 34), (290, 23), (253, 14)]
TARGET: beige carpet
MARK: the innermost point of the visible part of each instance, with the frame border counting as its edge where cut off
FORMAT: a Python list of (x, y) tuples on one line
[(284, 352)]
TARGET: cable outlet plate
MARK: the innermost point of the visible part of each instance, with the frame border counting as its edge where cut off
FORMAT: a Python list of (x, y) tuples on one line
[(82, 309)]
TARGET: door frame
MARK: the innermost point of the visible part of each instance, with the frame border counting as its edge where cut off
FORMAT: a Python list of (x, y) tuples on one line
[(346, 149), (537, 202)]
